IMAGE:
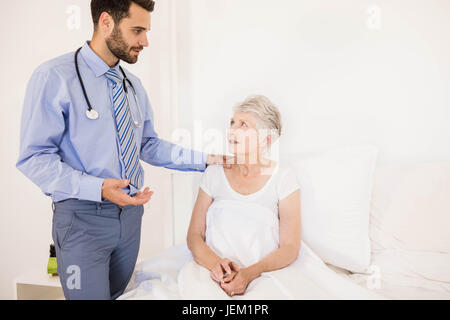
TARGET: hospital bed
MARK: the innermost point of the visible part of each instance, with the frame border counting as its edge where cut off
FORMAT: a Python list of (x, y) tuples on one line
[(408, 231)]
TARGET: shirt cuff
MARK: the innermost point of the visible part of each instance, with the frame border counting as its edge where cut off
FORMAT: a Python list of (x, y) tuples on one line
[(204, 157), (196, 161), (90, 188)]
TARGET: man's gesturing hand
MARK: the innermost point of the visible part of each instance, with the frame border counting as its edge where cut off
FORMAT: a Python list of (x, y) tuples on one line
[(111, 190)]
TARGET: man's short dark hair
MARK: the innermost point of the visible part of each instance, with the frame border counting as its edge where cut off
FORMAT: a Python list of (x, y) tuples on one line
[(118, 9)]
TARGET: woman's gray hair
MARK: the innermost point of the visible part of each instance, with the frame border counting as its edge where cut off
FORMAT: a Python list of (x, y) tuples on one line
[(264, 109)]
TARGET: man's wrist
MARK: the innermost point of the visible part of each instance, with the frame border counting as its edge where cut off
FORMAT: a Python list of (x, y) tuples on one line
[(90, 188), (102, 189)]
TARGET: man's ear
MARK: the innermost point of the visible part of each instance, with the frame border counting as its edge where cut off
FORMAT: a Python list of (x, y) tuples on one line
[(106, 24)]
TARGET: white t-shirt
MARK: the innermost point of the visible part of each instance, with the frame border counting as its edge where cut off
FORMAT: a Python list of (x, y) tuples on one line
[(281, 183)]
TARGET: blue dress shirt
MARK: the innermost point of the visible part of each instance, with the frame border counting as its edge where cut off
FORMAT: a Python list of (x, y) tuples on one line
[(69, 155)]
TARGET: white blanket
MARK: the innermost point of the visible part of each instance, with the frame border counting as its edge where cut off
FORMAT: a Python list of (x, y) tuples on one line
[(245, 233)]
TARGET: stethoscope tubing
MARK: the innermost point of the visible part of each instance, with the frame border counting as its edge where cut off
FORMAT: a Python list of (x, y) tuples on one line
[(81, 81), (125, 80)]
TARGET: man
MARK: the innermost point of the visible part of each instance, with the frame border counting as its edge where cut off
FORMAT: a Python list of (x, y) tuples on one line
[(81, 143)]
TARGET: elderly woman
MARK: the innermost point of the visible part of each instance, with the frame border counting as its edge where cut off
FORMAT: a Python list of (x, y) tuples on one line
[(246, 220)]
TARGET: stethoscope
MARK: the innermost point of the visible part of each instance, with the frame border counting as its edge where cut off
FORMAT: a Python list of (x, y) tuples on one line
[(92, 114)]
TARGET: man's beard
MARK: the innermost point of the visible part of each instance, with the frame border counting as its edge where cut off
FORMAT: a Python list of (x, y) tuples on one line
[(117, 45)]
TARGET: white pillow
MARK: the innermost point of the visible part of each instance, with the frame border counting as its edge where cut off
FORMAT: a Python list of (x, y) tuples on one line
[(335, 188)]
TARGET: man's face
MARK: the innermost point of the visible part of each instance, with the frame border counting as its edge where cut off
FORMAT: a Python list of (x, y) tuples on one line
[(129, 37)]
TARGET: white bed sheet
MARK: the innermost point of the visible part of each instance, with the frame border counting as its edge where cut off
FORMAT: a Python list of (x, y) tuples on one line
[(156, 278), (399, 287)]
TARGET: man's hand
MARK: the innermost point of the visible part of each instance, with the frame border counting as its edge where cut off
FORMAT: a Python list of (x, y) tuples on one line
[(224, 160), (111, 190)]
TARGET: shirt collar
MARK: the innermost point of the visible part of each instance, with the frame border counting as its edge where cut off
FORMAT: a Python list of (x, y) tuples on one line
[(97, 65)]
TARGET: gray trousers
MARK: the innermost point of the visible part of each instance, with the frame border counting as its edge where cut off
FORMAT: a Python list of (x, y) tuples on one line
[(97, 245)]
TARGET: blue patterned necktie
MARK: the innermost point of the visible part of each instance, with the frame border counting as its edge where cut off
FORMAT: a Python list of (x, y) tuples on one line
[(125, 131)]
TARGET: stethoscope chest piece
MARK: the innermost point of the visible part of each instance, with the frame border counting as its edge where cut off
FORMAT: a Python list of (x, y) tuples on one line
[(92, 114)]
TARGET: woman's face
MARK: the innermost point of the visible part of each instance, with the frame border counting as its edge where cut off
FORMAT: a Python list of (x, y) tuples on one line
[(243, 135)]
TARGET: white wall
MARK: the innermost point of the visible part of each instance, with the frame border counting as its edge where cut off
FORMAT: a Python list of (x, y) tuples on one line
[(341, 72), (36, 31)]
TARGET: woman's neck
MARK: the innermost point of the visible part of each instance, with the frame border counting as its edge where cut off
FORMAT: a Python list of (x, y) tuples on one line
[(249, 166)]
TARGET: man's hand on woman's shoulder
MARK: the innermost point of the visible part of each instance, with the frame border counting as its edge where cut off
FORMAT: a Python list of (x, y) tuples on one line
[(221, 159)]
